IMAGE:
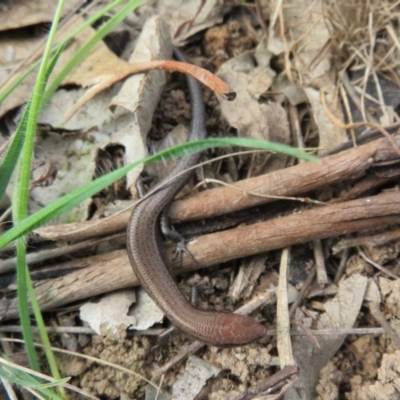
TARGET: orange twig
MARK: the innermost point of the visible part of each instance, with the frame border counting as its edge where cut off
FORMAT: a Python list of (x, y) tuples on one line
[(110, 77)]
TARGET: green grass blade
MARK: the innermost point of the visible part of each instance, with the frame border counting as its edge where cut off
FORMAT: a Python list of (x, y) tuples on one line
[(21, 195), (22, 293), (265, 145), (10, 159), (24, 379)]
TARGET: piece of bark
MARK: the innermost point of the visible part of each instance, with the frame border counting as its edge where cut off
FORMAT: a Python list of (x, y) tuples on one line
[(104, 273)]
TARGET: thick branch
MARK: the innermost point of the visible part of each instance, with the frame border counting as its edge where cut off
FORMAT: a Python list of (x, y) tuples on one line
[(224, 200), (104, 273)]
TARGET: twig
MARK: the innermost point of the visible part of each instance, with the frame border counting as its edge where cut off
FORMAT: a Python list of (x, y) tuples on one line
[(282, 315), (373, 263), (8, 264), (379, 239), (303, 291), (268, 385), (342, 266), (322, 276)]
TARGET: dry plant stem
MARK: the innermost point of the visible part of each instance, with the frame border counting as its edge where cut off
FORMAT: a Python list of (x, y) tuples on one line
[(271, 382), (9, 264), (349, 116), (377, 266), (322, 276), (6, 346), (295, 128), (306, 285), (5, 215), (309, 334), (51, 329), (353, 95), (379, 239), (365, 185), (334, 332), (342, 266), (192, 348), (8, 388), (106, 272), (261, 20), (297, 332), (45, 378), (157, 332), (317, 223), (283, 321), (376, 312), (84, 230)]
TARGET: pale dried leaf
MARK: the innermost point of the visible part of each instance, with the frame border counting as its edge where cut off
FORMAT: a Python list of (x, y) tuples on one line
[(145, 311), (109, 316), (266, 121), (269, 282), (247, 277), (390, 290), (373, 293), (196, 374), (330, 135), (72, 154), (252, 120), (341, 312), (140, 94), (312, 57)]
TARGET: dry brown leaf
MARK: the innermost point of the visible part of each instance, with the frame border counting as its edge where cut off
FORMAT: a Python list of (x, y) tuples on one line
[(17, 14), (185, 17), (97, 59), (309, 43), (109, 315), (340, 312), (196, 374), (251, 118)]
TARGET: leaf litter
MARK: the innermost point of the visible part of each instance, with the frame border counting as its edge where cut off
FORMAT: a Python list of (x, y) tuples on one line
[(329, 60)]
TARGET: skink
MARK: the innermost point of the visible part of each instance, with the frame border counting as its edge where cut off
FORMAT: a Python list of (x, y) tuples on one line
[(145, 253)]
